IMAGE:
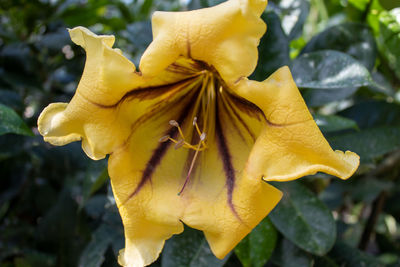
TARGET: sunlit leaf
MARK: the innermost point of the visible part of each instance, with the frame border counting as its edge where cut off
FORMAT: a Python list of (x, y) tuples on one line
[(359, 4), (389, 38), (293, 14), (329, 69), (354, 39), (389, 4)]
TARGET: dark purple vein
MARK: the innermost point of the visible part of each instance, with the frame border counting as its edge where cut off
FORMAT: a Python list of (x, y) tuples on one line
[(150, 92), (161, 150), (226, 160)]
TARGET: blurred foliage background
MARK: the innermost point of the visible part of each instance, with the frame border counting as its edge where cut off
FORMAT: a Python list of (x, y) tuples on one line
[(56, 206)]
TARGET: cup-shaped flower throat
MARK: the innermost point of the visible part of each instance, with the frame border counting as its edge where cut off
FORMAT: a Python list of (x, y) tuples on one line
[(190, 139)]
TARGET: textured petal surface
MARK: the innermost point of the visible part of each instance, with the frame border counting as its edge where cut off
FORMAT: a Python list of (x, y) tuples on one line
[(220, 199), (194, 68), (291, 145), (225, 36), (94, 115)]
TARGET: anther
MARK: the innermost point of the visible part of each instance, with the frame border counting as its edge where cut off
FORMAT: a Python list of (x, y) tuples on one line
[(194, 121), (163, 139), (174, 123), (179, 144), (203, 136)]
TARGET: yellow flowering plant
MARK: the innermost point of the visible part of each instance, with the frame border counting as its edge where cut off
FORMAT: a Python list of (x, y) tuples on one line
[(191, 140)]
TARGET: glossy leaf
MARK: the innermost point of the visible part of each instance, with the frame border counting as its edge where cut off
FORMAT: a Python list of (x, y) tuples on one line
[(256, 248), (189, 249), (373, 113), (10, 122), (303, 219), (332, 123), (353, 39), (273, 49), (329, 69), (319, 97), (369, 144), (293, 14), (93, 254)]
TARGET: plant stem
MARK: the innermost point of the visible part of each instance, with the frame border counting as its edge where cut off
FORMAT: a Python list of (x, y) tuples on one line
[(377, 207)]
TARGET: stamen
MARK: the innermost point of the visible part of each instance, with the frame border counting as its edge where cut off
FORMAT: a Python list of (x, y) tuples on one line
[(174, 123), (179, 144), (190, 169), (163, 139), (201, 145)]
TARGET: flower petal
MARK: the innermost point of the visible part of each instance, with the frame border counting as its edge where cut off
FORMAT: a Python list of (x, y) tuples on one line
[(220, 199), (94, 113), (225, 36), (291, 145)]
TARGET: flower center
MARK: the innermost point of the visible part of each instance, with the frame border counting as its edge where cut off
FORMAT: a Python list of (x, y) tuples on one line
[(204, 109), (204, 115)]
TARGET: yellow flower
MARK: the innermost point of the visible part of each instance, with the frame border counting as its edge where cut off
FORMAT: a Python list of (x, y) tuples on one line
[(231, 134)]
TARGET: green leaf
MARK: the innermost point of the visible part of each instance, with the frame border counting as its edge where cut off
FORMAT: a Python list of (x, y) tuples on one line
[(348, 256), (96, 177), (273, 50), (373, 16), (389, 4), (329, 69), (354, 39), (359, 4), (288, 255), (303, 219), (93, 254), (369, 144), (319, 97), (257, 247), (189, 249), (10, 122), (293, 14), (332, 123), (389, 38), (373, 113)]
